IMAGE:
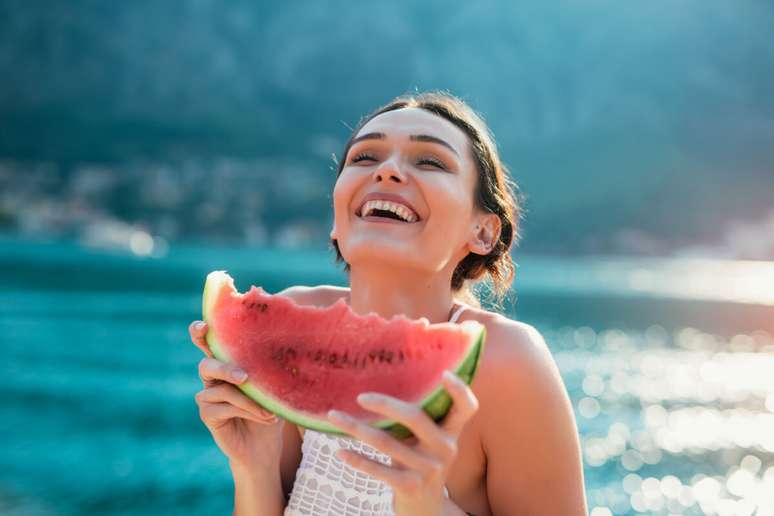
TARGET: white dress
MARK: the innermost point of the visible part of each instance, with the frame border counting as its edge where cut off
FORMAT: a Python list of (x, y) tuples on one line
[(326, 486)]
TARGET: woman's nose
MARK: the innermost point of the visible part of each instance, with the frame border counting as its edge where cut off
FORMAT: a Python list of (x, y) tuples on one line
[(389, 170)]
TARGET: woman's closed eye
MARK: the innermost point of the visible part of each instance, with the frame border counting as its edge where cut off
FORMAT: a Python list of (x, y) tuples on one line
[(433, 161), (363, 156), (425, 160)]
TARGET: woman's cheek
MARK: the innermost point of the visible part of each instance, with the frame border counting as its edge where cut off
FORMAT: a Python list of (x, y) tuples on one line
[(343, 198)]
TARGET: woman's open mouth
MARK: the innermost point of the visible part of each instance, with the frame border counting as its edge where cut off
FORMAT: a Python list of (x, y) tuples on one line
[(387, 211)]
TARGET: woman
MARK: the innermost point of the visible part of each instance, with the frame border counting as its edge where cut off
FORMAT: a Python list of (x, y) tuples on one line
[(509, 445)]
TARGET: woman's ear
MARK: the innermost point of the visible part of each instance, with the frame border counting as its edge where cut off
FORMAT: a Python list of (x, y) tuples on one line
[(485, 233)]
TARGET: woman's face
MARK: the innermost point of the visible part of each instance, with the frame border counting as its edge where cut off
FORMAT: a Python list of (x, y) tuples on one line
[(425, 160)]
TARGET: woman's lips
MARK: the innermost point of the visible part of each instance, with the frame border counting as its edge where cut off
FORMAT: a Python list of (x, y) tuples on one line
[(385, 220)]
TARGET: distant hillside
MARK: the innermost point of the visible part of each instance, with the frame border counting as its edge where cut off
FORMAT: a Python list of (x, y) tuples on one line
[(644, 118)]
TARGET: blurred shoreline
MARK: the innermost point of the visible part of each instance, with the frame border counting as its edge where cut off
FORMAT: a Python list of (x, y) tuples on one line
[(144, 205)]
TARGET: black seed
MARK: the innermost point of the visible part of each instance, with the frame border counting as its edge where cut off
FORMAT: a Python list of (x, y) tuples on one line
[(318, 355), (400, 356), (264, 307), (332, 358), (290, 353), (388, 356)]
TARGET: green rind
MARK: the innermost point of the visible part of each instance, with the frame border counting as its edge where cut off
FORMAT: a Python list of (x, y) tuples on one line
[(436, 404)]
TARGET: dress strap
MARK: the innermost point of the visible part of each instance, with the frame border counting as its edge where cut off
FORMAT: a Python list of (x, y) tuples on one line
[(457, 312)]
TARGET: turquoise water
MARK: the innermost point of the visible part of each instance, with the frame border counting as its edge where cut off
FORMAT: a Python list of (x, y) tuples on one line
[(670, 376)]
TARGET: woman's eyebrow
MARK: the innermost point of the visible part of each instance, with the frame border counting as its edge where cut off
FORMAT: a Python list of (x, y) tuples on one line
[(413, 137)]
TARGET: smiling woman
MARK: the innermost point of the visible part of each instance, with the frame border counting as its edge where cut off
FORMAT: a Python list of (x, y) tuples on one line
[(423, 210), (463, 144)]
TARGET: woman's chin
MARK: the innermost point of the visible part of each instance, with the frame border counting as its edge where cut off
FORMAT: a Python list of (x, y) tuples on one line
[(391, 251)]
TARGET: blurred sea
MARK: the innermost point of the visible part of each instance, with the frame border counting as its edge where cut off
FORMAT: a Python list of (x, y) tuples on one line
[(669, 364)]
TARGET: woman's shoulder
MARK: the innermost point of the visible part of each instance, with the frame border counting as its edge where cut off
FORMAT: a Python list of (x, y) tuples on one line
[(525, 416), (507, 340), (516, 366)]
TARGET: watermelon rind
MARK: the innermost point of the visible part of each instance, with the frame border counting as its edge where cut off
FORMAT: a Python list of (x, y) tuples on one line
[(436, 404)]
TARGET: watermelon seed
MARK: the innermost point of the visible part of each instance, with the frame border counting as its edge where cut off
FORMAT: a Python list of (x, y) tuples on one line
[(294, 371), (332, 358), (388, 356), (401, 356), (318, 355)]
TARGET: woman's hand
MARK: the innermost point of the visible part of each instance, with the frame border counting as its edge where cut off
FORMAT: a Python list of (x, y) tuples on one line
[(419, 466), (246, 433)]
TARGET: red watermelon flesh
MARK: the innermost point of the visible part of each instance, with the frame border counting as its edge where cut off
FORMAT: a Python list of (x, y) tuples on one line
[(303, 361)]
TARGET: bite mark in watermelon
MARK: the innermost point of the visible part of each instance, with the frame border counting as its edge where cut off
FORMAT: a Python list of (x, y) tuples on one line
[(303, 361)]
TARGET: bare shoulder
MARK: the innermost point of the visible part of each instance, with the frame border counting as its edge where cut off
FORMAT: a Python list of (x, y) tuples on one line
[(515, 346), (318, 295), (511, 346), (517, 370), (525, 417)]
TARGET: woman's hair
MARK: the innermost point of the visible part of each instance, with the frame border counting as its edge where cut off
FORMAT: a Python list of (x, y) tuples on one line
[(495, 192)]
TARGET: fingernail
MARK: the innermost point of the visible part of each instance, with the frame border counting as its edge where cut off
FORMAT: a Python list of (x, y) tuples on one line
[(239, 375), (199, 325), (450, 376), (366, 398)]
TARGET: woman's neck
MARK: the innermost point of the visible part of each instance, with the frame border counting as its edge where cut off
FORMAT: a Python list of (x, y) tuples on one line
[(388, 293)]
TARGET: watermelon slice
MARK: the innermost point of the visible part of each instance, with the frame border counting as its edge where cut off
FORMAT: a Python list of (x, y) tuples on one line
[(303, 361)]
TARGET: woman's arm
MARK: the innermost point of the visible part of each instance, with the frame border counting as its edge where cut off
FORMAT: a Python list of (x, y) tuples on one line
[(262, 490), (529, 433), (257, 491)]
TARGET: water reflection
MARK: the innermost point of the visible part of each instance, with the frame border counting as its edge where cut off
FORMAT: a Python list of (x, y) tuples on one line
[(739, 281), (672, 422), (674, 419)]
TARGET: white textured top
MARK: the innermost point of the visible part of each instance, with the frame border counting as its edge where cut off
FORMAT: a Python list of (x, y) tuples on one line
[(326, 486)]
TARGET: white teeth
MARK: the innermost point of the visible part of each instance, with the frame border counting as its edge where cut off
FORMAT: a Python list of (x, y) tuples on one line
[(399, 209)]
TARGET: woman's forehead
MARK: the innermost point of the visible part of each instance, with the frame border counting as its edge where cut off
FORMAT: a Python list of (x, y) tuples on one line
[(404, 122)]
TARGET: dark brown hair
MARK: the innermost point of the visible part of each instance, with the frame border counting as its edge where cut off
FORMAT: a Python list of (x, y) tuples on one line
[(495, 192)]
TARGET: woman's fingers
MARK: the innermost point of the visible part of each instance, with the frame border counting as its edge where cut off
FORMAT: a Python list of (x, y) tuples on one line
[(215, 415), (212, 372), (464, 403), (230, 394), (407, 414), (198, 332), (385, 443)]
